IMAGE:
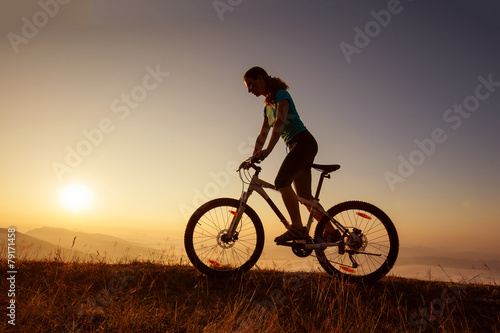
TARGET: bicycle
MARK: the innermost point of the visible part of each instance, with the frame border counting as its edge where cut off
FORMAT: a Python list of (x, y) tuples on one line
[(225, 237)]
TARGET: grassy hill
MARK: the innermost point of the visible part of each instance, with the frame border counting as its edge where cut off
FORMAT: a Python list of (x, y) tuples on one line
[(54, 296)]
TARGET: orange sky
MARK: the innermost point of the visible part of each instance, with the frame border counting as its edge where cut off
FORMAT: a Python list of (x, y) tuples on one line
[(144, 105)]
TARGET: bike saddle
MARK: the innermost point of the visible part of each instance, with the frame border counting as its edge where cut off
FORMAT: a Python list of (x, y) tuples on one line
[(326, 168)]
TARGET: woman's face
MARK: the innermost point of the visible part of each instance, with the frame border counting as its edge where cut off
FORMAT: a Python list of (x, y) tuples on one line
[(256, 86)]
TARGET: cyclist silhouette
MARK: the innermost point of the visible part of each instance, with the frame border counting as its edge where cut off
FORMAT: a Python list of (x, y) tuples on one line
[(282, 117), (225, 237)]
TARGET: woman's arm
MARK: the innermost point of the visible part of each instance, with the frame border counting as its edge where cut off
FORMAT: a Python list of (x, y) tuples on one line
[(279, 125), (261, 138)]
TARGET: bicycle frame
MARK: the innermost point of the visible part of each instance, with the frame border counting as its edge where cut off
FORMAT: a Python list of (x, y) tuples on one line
[(225, 237), (258, 185)]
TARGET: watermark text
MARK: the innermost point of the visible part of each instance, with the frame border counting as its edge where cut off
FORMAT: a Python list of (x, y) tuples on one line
[(31, 27), (11, 276), (453, 117), (94, 137)]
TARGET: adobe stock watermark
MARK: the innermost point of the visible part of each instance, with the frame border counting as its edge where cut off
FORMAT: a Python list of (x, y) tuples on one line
[(93, 306), (11, 276), (31, 26), (122, 107), (220, 180), (372, 29), (454, 118), (223, 6), (425, 315), (261, 310)]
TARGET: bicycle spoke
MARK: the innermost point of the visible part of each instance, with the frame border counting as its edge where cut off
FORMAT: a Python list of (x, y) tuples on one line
[(371, 242), (212, 249)]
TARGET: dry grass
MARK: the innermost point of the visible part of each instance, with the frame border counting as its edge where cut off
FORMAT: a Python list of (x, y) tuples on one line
[(58, 296)]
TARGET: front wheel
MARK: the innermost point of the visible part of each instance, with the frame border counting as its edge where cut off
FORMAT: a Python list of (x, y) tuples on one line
[(209, 248), (367, 250)]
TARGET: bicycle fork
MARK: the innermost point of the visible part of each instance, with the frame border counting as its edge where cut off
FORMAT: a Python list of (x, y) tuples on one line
[(231, 231)]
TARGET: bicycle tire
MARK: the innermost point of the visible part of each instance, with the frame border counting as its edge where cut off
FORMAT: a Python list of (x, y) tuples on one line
[(209, 253), (375, 254)]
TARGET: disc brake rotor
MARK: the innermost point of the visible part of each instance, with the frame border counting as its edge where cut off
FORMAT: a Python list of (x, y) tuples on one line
[(359, 244), (222, 242)]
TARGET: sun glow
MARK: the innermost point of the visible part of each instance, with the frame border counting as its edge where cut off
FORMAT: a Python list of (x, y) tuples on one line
[(76, 197)]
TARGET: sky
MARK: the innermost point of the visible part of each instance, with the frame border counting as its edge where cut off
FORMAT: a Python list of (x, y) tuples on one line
[(142, 103)]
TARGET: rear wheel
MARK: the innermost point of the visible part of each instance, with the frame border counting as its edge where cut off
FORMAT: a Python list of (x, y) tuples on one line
[(367, 255), (209, 248)]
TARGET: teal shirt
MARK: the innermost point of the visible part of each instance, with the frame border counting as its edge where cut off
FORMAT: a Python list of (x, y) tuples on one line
[(293, 124)]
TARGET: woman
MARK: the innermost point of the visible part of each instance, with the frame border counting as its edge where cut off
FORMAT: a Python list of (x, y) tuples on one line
[(281, 115)]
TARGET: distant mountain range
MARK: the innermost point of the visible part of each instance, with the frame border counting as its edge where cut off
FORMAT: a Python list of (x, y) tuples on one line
[(28, 247), (50, 243)]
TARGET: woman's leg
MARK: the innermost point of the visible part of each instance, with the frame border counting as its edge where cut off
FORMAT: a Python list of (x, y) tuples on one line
[(292, 205), (303, 187), (299, 158)]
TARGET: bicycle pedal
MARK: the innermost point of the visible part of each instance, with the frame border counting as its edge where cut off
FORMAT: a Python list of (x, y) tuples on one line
[(293, 242)]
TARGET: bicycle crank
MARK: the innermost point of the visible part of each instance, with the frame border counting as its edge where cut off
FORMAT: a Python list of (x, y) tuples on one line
[(301, 248)]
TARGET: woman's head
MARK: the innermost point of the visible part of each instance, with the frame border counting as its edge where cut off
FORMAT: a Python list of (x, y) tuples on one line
[(256, 79), (255, 73), (260, 83)]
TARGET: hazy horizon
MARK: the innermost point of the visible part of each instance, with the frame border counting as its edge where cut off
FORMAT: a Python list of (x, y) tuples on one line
[(417, 262)]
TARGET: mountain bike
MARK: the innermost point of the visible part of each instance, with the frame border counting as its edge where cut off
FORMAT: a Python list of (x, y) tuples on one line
[(225, 237)]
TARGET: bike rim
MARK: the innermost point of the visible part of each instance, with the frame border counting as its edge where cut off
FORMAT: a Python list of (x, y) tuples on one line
[(220, 254), (370, 253)]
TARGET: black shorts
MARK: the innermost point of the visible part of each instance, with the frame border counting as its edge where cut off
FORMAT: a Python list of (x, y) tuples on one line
[(303, 148)]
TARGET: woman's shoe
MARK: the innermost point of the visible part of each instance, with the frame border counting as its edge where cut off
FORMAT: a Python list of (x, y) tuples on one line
[(292, 234)]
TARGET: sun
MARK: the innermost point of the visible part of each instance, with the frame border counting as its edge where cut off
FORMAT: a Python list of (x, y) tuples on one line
[(76, 197)]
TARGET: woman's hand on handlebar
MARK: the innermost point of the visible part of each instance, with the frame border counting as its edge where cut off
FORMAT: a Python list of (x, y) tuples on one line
[(260, 155), (256, 158)]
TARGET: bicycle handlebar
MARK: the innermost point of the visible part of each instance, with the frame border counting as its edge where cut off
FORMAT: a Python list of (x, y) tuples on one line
[(250, 163), (247, 164)]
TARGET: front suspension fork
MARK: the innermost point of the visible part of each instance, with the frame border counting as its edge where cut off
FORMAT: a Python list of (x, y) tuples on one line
[(237, 216)]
